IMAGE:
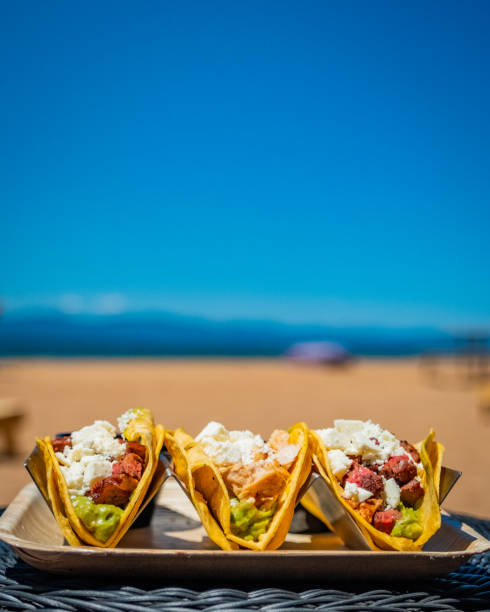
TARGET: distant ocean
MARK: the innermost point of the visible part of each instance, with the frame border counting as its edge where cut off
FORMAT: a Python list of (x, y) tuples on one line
[(51, 333)]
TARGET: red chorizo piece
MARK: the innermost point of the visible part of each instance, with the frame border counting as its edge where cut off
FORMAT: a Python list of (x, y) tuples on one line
[(113, 490), (400, 468)]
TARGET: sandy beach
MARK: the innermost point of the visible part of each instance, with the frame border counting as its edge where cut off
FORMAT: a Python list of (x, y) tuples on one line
[(254, 394)]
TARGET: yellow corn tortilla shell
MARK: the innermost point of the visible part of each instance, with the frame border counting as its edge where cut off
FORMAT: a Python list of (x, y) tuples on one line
[(179, 444), (140, 429), (208, 491), (431, 458)]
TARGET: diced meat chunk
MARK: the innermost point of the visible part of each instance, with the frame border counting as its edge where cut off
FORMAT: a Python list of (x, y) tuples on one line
[(130, 464), (411, 492), (400, 468), (355, 465), (59, 443), (386, 519), (263, 482), (411, 450), (114, 490), (137, 449), (367, 479)]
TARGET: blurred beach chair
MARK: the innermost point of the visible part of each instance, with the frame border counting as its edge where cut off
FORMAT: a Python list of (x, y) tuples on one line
[(467, 365), (11, 415)]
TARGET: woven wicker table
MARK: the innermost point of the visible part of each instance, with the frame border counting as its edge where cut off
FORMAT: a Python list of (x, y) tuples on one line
[(24, 588)]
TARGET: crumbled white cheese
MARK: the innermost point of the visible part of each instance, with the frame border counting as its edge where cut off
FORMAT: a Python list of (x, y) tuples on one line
[(214, 430), (91, 455), (225, 446), (124, 419), (353, 491), (347, 426), (391, 493), (80, 474), (339, 462), (365, 438), (98, 438)]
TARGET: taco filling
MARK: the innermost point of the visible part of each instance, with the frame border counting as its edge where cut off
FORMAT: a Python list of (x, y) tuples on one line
[(379, 476), (101, 470), (255, 474)]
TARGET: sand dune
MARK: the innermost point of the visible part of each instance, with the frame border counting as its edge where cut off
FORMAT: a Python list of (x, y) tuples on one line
[(254, 394)]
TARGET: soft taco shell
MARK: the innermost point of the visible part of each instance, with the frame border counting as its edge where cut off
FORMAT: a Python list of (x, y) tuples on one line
[(140, 429), (208, 491), (431, 458)]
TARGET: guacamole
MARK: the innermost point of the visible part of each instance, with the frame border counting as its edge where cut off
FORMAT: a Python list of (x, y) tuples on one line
[(100, 519), (409, 526), (247, 521)]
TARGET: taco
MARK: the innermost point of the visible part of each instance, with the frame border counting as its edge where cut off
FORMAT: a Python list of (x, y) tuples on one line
[(243, 488), (389, 487), (97, 481)]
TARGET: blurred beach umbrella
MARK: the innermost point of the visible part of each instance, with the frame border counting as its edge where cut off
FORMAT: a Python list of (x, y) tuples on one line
[(327, 353)]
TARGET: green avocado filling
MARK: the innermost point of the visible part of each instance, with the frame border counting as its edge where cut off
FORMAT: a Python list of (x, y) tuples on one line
[(247, 521), (409, 526), (100, 519)]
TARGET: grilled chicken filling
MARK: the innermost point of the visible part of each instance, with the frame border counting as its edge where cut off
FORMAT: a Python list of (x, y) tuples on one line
[(257, 479)]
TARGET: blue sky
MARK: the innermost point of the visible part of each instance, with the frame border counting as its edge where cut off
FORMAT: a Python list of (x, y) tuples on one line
[(307, 161)]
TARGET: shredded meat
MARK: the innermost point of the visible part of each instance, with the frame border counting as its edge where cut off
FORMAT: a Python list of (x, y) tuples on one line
[(262, 482)]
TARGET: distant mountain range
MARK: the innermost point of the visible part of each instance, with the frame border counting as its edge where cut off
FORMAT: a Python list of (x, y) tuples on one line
[(49, 332)]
